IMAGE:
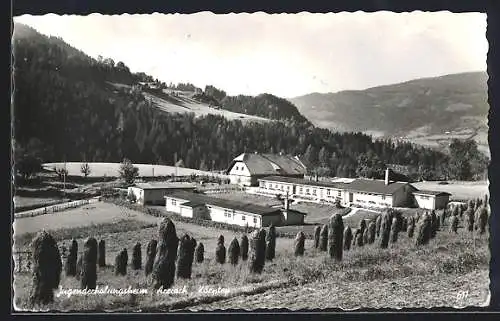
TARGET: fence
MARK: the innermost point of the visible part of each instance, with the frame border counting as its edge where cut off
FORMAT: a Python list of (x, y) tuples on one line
[(56, 208)]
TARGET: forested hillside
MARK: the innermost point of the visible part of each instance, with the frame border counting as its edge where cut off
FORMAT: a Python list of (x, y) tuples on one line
[(66, 110)]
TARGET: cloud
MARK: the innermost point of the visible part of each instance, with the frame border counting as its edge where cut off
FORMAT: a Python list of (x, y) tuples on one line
[(285, 54)]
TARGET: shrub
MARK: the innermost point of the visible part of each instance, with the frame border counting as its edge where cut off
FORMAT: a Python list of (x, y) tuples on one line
[(454, 224), (270, 243), (258, 251), (434, 220), (71, 259), (335, 237), (482, 219), (469, 215), (89, 264), (394, 230), (187, 247), (47, 267), (137, 257), (234, 251), (121, 262), (371, 232), (200, 252), (166, 253), (101, 254), (358, 237), (128, 172), (317, 234), (443, 217), (347, 238), (244, 247), (362, 226), (385, 229), (411, 227), (365, 236), (220, 251), (404, 226), (299, 244), (323, 242), (456, 210), (378, 223), (79, 264), (150, 256), (424, 230)]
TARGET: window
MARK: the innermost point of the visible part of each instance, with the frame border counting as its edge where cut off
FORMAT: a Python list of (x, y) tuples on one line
[(300, 190), (288, 188), (243, 218), (383, 197), (328, 192), (276, 186), (255, 220), (339, 193), (174, 202), (314, 191), (307, 191), (228, 213)]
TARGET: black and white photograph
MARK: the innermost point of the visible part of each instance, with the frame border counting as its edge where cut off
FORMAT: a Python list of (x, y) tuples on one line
[(202, 162)]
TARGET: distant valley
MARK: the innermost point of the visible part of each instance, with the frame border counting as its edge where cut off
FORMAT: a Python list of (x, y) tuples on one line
[(427, 111)]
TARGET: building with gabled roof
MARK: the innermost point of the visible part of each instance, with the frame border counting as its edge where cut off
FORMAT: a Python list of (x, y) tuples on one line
[(361, 192), (201, 206), (153, 193), (247, 168)]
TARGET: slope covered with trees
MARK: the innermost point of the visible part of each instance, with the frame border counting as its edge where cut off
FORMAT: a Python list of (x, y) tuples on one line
[(65, 109)]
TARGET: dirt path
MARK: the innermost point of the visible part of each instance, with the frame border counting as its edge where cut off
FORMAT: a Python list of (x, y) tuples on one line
[(422, 291)]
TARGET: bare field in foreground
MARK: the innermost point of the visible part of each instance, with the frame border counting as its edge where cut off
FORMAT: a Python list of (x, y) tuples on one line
[(400, 276)]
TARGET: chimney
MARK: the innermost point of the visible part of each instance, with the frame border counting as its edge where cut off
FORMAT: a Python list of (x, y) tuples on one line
[(387, 176)]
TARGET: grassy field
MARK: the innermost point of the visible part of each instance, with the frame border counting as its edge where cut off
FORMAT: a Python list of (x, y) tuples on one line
[(21, 201), (400, 276), (91, 214), (459, 190), (111, 169)]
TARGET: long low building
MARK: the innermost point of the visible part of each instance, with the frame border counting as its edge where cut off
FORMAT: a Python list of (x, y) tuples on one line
[(195, 205), (362, 192), (154, 193)]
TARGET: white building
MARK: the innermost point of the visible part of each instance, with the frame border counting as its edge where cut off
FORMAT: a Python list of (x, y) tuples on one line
[(153, 193), (362, 192), (194, 205), (247, 168), (431, 200)]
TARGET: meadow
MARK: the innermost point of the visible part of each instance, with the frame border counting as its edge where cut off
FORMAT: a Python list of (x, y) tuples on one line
[(402, 275), (111, 169), (460, 190)]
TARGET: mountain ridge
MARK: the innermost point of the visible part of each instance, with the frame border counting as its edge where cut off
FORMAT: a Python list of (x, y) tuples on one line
[(429, 111)]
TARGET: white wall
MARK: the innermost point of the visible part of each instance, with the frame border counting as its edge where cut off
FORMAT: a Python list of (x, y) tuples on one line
[(425, 201), (239, 174), (173, 204), (217, 215), (138, 192), (365, 199), (186, 211)]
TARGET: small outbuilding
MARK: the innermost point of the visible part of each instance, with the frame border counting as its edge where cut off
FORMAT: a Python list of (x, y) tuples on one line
[(431, 200), (154, 193)]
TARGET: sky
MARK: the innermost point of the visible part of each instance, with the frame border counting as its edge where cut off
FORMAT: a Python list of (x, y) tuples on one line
[(287, 55)]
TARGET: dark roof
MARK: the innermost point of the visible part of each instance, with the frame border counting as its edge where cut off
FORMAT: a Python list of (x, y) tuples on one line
[(375, 186), (146, 186), (433, 193), (193, 204), (302, 181), (270, 164), (230, 204)]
